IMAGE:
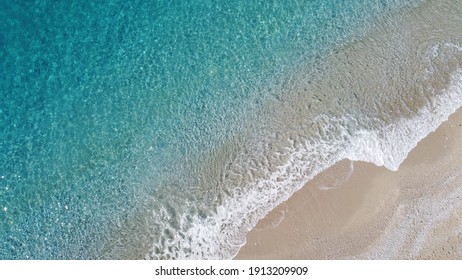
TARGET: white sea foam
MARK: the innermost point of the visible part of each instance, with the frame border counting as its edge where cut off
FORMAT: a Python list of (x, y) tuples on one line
[(389, 146), (221, 235), (256, 183)]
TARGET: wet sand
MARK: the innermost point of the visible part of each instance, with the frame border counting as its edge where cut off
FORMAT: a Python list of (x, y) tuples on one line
[(356, 210)]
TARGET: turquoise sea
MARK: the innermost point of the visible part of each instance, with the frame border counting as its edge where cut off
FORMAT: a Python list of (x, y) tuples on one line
[(166, 129)]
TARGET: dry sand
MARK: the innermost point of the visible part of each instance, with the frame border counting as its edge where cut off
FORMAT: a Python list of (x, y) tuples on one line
[(356, 210)]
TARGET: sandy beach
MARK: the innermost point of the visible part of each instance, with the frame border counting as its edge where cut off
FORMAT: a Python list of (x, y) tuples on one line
[(356, 210)]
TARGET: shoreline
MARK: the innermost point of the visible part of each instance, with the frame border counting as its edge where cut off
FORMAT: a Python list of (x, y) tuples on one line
[(356, 210)]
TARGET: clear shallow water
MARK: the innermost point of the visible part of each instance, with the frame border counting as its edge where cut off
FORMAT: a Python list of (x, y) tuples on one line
[(165, 130)]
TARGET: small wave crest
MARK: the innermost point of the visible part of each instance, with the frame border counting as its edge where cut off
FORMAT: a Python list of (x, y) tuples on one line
[(220, 235), (291, 148)]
